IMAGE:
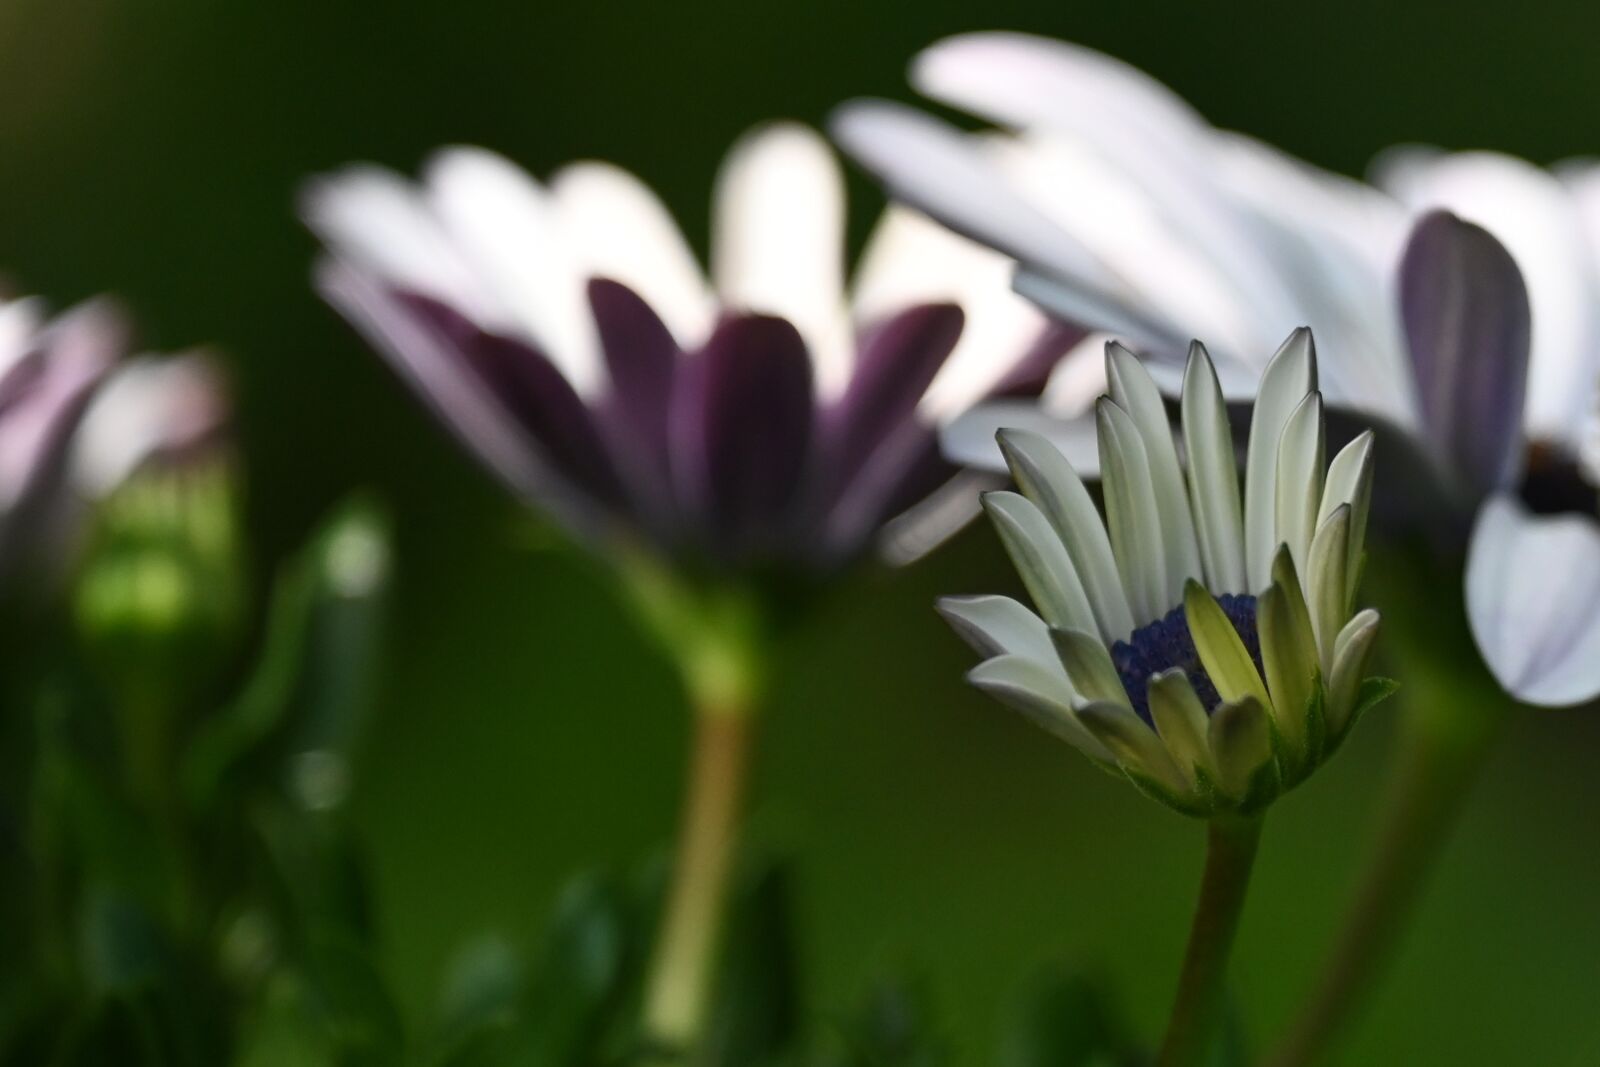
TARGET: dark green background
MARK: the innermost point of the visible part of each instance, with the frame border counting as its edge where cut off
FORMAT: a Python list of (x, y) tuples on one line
[(151, 148)]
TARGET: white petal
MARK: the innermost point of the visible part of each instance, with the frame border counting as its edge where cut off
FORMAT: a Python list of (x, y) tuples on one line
[(1133, 516), (1159, 143), (1041, 560), (1040, 695), (1540, 223), (1533, 597), (1287, 380), (378, 221), (1136, 394), (149, 405), (618, 229), (1213, 477), (1299, 480), (778, 241), (506, 226), (969, 440), (999, 626), (20, 322), (910, 259)]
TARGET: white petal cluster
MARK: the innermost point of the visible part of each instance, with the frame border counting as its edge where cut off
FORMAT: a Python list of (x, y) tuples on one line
[(1178, 535)]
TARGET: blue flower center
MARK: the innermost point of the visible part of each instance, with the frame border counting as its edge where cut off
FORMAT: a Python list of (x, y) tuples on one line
[(1166, 644)]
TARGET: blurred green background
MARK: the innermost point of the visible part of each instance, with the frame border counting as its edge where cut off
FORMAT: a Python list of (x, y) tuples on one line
[(151, 148)]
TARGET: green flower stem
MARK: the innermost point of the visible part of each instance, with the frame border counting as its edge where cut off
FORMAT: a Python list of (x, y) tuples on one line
[(1439, 762), (1454, 712), (714, 634), (681, 977), (1230, 854)]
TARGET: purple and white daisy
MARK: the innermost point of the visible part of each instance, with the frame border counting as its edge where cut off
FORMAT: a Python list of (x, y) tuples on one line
[(1126, 212), (771, 414)]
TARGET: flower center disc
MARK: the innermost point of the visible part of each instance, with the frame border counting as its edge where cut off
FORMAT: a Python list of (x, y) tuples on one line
[(1166, 644)]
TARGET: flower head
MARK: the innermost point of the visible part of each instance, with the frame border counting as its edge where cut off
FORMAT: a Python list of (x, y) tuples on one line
[(1202, 640), (1126, 211), (566, 334)]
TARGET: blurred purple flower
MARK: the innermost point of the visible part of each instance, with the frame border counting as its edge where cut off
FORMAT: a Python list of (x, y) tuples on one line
[(1126, 212), (771, 416), (48, 370)]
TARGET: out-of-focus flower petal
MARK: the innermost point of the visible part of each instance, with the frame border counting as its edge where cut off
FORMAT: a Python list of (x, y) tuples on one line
[(778, 241), (741, 429), (1467, 324), (910, 260), (507, 224), (1533, 596), (1540, 223), (969, 440), (617, 228), (45, 390), (425, 349), (149, 408)]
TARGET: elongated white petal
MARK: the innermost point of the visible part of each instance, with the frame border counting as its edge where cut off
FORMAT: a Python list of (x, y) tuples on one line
[(1349, 482), (998, 626), (1299, 477), (506, 227), (1047, 478), (969, 440), (1030, 688), (1136, 394), (1222, 652), (147, 407), (1350, 654), (618, 229), (1287, 380), (1041, 560), (1213, 476), (778, 241), (1328, 582), (1132, 516), (1533, 597), (1089, 666)]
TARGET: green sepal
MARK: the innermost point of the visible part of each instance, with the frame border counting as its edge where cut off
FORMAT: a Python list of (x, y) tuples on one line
[(1163, 794), (1374, 691), (1265, 786)]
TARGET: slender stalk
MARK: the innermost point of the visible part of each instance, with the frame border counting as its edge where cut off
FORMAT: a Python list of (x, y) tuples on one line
[(1437, 767), (1230, 854), (678, 988)]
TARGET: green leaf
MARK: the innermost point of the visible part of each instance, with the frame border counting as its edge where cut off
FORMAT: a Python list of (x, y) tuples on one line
[(1063, 1018)]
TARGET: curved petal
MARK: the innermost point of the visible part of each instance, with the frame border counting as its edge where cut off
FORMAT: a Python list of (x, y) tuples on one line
[(149, 407), (1533, 597), (1540, 223), (1467, 324), (777, 244), (910, 259), (618, 229), (505, 224)]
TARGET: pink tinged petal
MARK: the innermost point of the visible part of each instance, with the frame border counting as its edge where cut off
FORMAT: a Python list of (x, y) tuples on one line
[(1533, 597), (617, 228), (45, 391), (778, 241), (150, 408), (426, 350), (741, 432), (1540, 223), (507, 228), (1467, 324)]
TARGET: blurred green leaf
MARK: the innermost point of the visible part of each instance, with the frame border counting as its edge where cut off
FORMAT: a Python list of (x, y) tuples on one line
[(1062, 1018), (894, 1027), (756, 1017), (312, 683)]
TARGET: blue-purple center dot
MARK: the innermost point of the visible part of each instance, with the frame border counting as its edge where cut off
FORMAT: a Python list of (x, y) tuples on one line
[(1166, 644)]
